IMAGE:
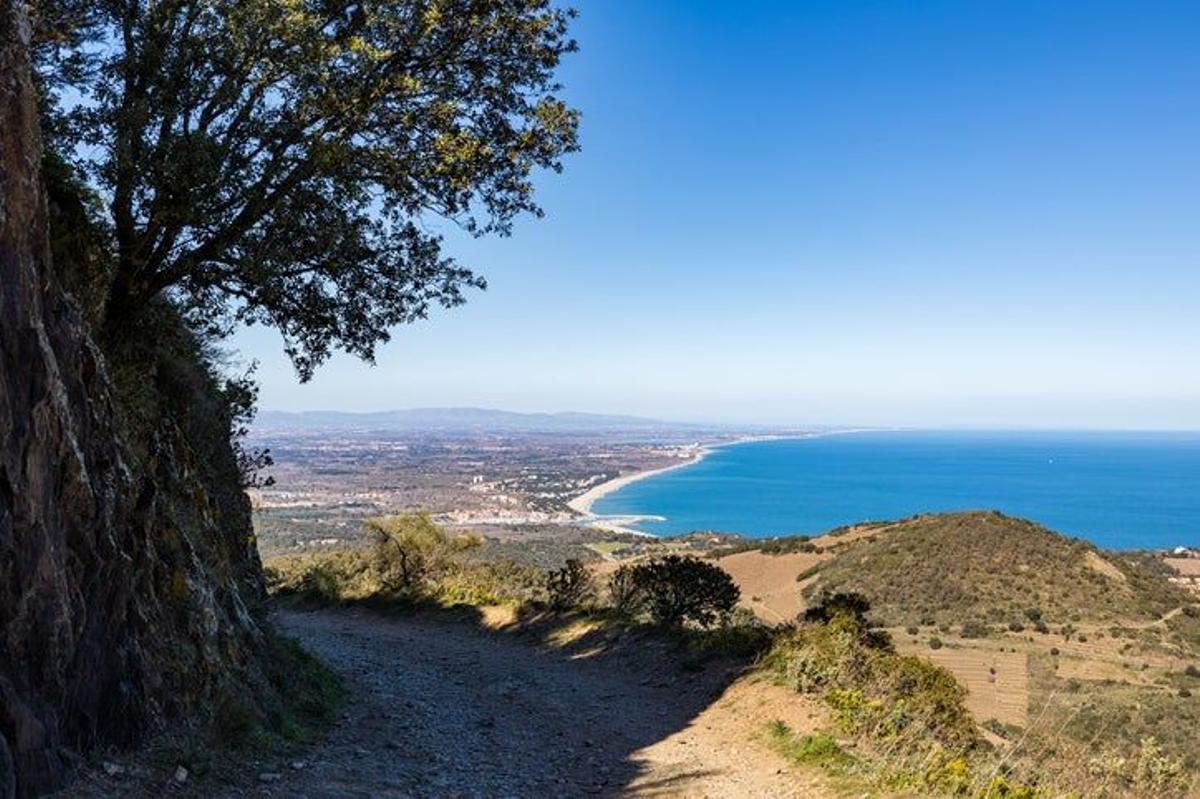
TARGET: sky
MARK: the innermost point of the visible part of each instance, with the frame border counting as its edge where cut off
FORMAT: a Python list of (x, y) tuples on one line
[(933, 214)]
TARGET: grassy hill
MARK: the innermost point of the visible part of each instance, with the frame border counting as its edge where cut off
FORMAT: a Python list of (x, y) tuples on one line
[(1083, 664), (988, 568)]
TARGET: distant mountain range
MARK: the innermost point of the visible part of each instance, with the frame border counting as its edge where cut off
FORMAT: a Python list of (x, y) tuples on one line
[(461, 419)]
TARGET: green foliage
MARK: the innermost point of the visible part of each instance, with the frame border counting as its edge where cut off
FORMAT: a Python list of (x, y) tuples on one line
[(740, 635), (319, 583), (873, 692), (679, 589), (819, 749), (569, 586), (624, 594), (987, 568), (975, 629), (440, 570), (277, 162), (409, 546), (310, 693)]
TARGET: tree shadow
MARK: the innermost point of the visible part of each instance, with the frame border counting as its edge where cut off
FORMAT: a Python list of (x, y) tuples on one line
[(528, 704)]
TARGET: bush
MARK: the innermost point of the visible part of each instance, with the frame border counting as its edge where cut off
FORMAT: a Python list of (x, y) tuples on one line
[(1192, 671), (912, 630), (679, 589), (408, 547), (623, 592), (873, 692), (935, 643), (975, 629), (846, 603), (569, 586), (320, 584)]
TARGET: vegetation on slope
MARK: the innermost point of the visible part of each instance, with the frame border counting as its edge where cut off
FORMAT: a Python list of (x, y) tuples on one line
[(992, 569)]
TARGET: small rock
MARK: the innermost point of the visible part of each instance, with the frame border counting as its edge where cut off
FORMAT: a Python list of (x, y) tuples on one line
[(181, 774), (589, 742), (269, 776), (298, 764), (113, 769)]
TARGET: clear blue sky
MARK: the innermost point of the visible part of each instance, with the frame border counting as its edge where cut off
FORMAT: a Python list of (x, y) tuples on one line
[(933, 213)]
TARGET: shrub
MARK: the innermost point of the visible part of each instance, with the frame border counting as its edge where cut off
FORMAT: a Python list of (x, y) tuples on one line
[(1016, 626), (975, 629), (1033, 614), (569, 586), (320, 583), (935, 643), (872, 691), (846, 603), (1192, 671), (679, 589), (623, 592), (408, 547), (819, 749), (912, 630)]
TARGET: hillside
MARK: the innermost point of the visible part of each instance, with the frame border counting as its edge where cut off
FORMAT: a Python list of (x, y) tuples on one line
[(1079, 662), (992, 569)]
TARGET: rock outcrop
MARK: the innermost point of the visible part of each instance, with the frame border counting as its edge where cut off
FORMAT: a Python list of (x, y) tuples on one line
[(127, 565)]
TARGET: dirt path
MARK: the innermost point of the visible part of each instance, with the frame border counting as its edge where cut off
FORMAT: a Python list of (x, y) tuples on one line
[(449, 708)]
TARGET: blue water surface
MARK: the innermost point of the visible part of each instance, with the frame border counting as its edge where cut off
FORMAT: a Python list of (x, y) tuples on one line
[(1118, 490)]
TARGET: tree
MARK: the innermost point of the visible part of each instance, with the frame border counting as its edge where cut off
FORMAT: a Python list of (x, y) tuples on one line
[(409, 546), (678, 589), (569, 586), (275, 161)]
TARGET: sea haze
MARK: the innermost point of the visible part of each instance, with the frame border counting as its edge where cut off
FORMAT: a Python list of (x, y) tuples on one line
[(1119, 490)]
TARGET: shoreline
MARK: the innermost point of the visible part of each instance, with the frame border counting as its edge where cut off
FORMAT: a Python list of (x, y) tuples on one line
[(582, 504)]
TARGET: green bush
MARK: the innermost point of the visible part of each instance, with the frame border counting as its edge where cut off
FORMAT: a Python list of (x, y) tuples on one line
[(874, 692), (569, 586), (819, 749), (410, 546), (624, 594), (975, 629), (679, 589)]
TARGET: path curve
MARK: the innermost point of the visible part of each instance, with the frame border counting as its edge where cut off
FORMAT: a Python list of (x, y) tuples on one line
[(450, 708)]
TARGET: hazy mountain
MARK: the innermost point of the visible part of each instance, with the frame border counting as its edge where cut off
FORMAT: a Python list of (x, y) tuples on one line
[(459, 419)]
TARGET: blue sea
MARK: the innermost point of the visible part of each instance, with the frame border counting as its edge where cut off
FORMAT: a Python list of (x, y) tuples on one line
[(1118, 490)]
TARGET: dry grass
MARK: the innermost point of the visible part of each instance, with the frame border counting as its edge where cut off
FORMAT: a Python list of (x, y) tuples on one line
[(1188, 567), (768, 582), (997, 681)]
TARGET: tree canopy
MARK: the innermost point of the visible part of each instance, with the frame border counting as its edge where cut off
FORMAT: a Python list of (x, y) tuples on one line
[(280, 161)]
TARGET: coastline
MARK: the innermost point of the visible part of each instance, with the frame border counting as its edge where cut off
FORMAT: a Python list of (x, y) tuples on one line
[(582, 504)]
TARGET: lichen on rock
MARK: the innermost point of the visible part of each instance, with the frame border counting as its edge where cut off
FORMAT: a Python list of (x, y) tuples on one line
[(129, 582)]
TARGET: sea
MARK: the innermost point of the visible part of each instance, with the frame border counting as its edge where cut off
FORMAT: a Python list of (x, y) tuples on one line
[(1117, 490)]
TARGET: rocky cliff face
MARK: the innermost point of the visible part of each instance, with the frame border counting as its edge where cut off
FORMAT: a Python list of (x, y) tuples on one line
[(127, 565)]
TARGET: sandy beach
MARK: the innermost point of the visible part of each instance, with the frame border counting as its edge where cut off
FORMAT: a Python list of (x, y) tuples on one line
[(582, 504)]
